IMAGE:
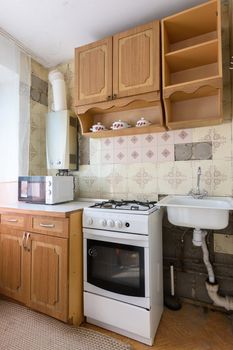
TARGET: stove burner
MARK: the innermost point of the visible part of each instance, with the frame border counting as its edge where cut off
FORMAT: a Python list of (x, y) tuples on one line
[(125, 204)]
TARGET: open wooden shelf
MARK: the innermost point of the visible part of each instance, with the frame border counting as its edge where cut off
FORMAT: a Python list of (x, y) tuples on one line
[(192, 66), (192, 63), (129, 131), (128, 109), (190, 27), (200, 108)]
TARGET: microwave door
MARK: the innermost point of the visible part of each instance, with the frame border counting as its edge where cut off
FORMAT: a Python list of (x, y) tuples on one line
[(36, 191)]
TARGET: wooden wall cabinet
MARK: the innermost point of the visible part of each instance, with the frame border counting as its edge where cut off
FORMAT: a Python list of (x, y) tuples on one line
[(192, 66), (93, 76), (136, 68), (127, 80), (36, 267)]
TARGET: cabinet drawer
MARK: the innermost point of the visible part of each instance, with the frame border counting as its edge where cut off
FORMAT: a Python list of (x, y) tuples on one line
[(53, 226), (13, 220)]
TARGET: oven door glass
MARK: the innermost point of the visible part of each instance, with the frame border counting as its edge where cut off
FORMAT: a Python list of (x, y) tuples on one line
[(115, 267)]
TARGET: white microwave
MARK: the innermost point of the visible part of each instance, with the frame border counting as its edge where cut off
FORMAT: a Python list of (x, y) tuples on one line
[(45, 189)]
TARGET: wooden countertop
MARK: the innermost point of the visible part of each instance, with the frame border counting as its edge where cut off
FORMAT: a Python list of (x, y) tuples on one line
[(56, 210)]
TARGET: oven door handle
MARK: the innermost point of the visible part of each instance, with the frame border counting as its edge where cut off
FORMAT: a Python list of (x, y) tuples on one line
[(117, 237)]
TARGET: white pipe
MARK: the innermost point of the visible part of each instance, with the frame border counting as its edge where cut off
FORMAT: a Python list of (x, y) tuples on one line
[(211, 286), (226, 302), (206, 258)]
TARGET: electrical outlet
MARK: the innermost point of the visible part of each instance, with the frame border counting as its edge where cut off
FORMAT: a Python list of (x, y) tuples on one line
[(223, 243)]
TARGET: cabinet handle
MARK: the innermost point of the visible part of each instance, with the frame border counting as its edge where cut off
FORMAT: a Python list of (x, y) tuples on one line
[(109, 98), (26, 242), (23, 241), (47, 225), (12, 220), (114, 96)]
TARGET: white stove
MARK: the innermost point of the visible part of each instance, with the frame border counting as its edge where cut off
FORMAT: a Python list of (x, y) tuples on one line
[(123, 289)]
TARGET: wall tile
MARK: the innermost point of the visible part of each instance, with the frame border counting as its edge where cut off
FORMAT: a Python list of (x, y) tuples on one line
[(120, 142), (149, 154), (174, 177), (149, 140), (183, 136), (142, 178), (134, 155), (135, 141), (166, 153), (106, 180), (216, 177), (165, 138), (120, 180), (120, 156), (88, 181)]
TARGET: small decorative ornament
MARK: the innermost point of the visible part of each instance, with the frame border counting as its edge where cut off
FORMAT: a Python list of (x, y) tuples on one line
[(97, 127), (120, 125), (142, 122)]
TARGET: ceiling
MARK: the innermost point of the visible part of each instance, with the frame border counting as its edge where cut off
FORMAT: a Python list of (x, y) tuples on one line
[(51, 29)]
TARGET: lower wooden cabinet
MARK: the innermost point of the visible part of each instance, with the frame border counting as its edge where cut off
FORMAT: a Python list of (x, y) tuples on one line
[(14, 265), (49, 285), (36, 268)]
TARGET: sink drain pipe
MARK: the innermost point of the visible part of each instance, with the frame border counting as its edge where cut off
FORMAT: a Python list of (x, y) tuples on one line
[(199, 239)]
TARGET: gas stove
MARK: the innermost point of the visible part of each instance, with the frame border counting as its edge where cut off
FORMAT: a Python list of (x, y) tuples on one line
[(128, 216), (125, 205)]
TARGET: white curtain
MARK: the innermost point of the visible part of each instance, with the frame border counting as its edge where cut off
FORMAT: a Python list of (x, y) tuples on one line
[(15, 72)]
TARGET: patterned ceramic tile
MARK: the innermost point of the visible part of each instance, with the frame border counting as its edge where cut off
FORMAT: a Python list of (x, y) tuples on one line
[(120, 142), (165, 138), (166, 153), (142, 178), (183, 136), (120, 156), (149, 154), (89, 177), (107, 144), (106, 157), (150, 196), (149, 140), (106, 179), (134, 155), (95, 151), (221, 179), (216, 176), (120, 180), (174, 177), (218, 133), (134, 141), (222, 149)]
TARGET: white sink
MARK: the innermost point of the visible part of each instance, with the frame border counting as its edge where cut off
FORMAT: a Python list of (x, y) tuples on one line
[(207, 213)]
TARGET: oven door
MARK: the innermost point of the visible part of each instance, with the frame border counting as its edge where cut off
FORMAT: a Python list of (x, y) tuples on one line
[(116, 265)]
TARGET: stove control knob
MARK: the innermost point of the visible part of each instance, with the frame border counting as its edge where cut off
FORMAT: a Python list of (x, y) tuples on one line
[(89, 221), (110, 223), (103, 222), (118, 224)]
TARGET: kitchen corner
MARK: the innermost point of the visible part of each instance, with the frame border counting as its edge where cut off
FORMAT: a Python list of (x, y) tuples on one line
[(116, 182)]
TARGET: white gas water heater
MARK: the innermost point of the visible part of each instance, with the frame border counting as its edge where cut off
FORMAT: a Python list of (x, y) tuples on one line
[(61, 128)]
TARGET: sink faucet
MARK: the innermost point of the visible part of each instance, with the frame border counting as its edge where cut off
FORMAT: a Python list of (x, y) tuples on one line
[(198, 194)]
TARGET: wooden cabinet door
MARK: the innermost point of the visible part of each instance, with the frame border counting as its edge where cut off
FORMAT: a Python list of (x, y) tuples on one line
[(93, 72), (14, 265), (49, 275), (136, 61)]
